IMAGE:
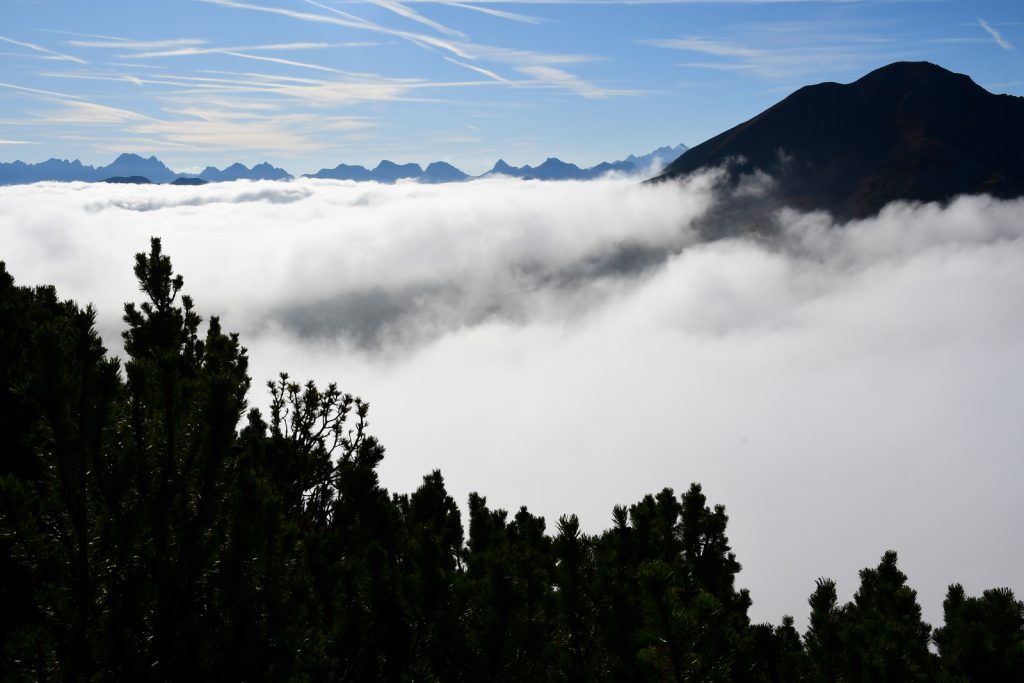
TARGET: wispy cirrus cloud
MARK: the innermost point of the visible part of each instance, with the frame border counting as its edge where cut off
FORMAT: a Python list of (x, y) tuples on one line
[(780, 57), (92, 113), (706, 46), (344, 19), (128, 44), (554, 77), (539, 66), (411, 14), (479, 69), (17, 142), (231, 130), (501, 14), (271, 47), (43, 52), (996, 35)]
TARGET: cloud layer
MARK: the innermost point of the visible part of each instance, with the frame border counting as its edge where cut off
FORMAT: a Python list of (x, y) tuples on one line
[(570, 346)]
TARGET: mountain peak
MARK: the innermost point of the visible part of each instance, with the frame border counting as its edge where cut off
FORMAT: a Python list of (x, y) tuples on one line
[(127, 157), (909, 130)]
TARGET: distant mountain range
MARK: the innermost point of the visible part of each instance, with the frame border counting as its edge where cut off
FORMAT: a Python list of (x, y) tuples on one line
[(133, 168), (125, 167), (551, 169), (910, 130)]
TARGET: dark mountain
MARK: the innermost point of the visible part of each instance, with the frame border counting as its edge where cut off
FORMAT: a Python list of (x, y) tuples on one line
[(238, 171), (129, 165), (442, 172), (910, 130), (189, 181), (128, 180)]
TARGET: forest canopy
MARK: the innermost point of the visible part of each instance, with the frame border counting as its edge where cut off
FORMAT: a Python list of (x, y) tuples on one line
[(154, 526)]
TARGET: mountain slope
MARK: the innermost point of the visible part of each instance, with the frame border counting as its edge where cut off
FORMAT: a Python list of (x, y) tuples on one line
[(910, 130), (238, 171), (134, 166)]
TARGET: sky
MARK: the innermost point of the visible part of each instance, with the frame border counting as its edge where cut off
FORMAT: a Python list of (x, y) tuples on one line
[(309, 84), (572, 346)]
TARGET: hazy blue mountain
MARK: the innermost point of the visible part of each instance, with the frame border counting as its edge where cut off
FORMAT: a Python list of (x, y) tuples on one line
[(658, 159), (343, 172), (129, 165), (551, 169), (18, 172), (442, 172), (124, 166), (606, 167), (133, 165), (385, 172), (502, 168), (237, 171), (556, 169), (909, 130), (389, 171)]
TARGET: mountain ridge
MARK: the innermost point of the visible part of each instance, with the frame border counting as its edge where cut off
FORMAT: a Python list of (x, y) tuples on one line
[(130, 165), (909, 130)]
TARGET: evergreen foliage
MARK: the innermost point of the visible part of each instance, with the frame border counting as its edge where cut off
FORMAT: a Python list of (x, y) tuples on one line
[(152, 527)]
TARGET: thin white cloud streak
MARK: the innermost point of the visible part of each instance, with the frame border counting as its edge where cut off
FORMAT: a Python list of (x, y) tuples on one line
[(195, 127), (45, 52), (80, 111), (777, 60), (479, 69), (501, 14), (17, 142), (192, 51), (996, 36), (841, 391), (537, 65), (37, 91), (77, 110), (705, 46), (346, 20), (128, 44), (411, 14), (555, 77)]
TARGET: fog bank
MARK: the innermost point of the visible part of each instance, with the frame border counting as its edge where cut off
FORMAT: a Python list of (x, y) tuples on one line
[(843, 390)]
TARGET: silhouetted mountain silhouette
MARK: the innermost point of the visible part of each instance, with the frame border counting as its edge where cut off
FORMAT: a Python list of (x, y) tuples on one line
[(661, 157), (130, 165), (128, 180), (238, 171), (343, 172), (389, 171), (910, 130), (442, 172)]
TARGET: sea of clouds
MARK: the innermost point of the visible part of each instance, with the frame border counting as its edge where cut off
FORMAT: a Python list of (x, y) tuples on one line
[(570, 346)]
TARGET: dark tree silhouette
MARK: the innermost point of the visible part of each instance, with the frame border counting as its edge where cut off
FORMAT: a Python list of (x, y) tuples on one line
[(152, 527)]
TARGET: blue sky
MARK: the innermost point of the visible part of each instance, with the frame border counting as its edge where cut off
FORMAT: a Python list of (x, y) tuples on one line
[(308, 84)]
